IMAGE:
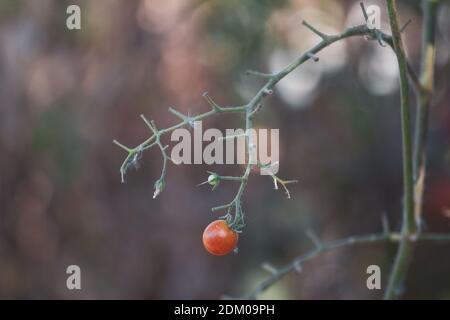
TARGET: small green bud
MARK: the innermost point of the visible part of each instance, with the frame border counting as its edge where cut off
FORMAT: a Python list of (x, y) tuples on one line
[(213, 179), (159, 186)]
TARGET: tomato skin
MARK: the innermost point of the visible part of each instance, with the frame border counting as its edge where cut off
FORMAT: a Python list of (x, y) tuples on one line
[(219, 239)]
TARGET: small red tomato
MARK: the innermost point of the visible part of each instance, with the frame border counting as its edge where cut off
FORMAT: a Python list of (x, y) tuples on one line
[(219, 239)]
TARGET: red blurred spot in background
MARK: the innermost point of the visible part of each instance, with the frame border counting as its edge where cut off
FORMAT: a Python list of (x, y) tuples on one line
[(437, 203)]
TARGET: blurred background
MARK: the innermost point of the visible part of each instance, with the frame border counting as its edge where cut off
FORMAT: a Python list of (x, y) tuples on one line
[(65, 95)]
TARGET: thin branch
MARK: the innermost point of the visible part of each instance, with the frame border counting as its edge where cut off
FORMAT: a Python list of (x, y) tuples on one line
[(179, 115), (211, 102), (214, 179), (121, 145), (266, 90), (363, 9), (408, 224), (423, 104), (385, 223), (233, 136), (314, 30), (256, 110), (231, 178), (224, 206), (411, 73), (283, 183), (314, 238), (405, 25), (259, 74), (269, 268), (406, 120), (295, 265), (150, 125), (360, 30)]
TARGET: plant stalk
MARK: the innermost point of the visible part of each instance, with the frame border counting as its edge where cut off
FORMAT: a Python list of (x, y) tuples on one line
[(423, 103), (408, 221)]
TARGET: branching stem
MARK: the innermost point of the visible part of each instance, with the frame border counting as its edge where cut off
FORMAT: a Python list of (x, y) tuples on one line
[(413, 168), (322, 247), (424, 87)]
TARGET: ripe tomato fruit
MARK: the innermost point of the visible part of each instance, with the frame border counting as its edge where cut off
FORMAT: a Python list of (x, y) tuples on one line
[(219, 239)]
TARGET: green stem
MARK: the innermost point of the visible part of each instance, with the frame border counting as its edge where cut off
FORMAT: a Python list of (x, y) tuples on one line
[(399, 269), (231, 178), (238, 219), (295, 265), (423, 103), (408, 224)]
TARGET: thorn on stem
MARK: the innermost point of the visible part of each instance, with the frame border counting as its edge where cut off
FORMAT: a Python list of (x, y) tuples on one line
[(258, 74), (363, 9), (275, 183), (233, 136), (380, 38), (179, 114), (267, 92), (405, 25), (314, 238), (255, 110), (312, 56), (314, 30), (385, 223), (225, 206), (269, 268), (298, 266), (211, 102), (150, 124), (277, 180), (121, 145)]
